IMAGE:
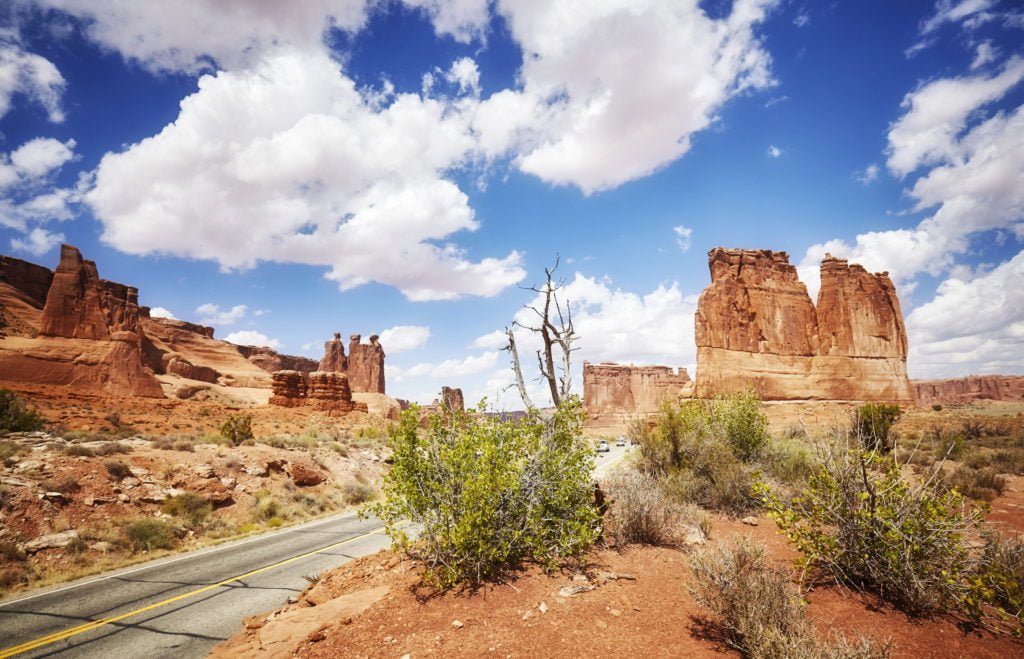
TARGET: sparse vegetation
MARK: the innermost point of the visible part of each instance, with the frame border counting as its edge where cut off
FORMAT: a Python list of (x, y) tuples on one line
[(354, 492), (117, 469), (149, 533), (77, 450), (757, 609), (874, 423), (489, 494), (113, 448), (237, 428), (16, 415), (983, 484), (188, 506), (642, 513)]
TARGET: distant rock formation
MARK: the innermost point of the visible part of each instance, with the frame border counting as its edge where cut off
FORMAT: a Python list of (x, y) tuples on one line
[(326, 392), (272, 361), (177, 365), (615, 394), (969, 389), (451, 397), (757, 328), (366, 364), (334, 356), (31, 280)]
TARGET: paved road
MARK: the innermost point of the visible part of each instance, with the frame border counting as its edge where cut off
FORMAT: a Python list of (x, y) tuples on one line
[(182, 606)]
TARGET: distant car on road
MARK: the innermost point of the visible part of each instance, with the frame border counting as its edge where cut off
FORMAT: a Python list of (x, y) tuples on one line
[(621, 441), (602, 446)]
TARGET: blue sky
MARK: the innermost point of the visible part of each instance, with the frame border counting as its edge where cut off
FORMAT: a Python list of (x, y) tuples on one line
[(402, 167)]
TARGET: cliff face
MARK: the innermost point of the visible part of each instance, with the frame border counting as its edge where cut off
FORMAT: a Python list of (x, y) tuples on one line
[(614, 394), (972, 388), (756, 327), (366, 365), (326, 392)]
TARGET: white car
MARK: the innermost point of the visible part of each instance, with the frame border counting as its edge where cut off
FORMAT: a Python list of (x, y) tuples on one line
[(602, 446), (621, 441)]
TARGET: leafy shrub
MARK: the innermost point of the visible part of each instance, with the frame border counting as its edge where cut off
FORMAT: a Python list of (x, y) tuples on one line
[(983, 484), (758, 610), (489, 493), (117, 469), (743, 424), (874, 423), (688, 448), (237, 428), (16, 415), (1000, 577), (149, 533), (641, 512), (859, 522), (188, 506), (791, 462), (1003, 461)]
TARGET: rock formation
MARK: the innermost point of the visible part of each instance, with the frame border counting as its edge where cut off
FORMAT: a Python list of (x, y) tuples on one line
[(326, 392), (272, 361), (31, 280), (614, 394), (182, 367), (334, 356), (451, 397), (757, 328), (972, 388), (366, 364)]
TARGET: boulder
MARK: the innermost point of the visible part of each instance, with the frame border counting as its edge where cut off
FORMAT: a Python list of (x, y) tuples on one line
[(304, 476), (60, 540)]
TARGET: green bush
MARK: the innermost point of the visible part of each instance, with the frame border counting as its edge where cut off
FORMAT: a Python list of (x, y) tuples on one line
[(740, 420), (861, 523), (237, 428), (758, 611), (1000, 578), (188, 506), (149, 533), (874, 423), (16, 416), (489, 493), (117, 469)]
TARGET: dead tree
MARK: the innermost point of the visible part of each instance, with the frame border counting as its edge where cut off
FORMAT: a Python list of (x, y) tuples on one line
[(555, 329)]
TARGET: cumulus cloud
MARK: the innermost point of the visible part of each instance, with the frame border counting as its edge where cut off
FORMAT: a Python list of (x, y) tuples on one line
[(29, 75), (869, 175), (983, 54), (212, 314), (774, 151), (198, 34), (161, 312), (300, 168), (41, 156), (253, 338), (449, 368), (613, 114), (402, 338), (973, 324), (462, 20), (491, 341), (37, 242), (683, 237)]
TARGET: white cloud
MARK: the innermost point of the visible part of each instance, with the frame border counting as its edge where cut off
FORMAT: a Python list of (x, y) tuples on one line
[(32, 76), (253, 338), (449, 368), (161, 312), (41, 156), (802, 19), (983, 54), (465, 74), (938, 112), (402, 338), (495, 340), (774, 151), (604, 116), (973, 325), (949, 11), (683, 237), (37, 242), (463, 20), (212, 314), (299, 167), (191, 36), (869, 175)]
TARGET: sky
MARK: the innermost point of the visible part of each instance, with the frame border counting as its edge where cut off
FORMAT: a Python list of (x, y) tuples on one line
[(408, 168)]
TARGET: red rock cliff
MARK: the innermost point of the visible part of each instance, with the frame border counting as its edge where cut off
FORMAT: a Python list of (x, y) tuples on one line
[(366, 365), (614, 394), (756, 327), (971, 388)]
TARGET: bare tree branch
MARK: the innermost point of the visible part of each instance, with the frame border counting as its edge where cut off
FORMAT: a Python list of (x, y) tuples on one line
[(511, 347)]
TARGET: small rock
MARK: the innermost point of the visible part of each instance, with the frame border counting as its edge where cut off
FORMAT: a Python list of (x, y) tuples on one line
[(528, 615), (54, 497), (51, 541), (602, 624), (254, 622), (317, 636), (102, 546), (749, 521), (123, 498), (140, 472), (389, 640), (457, 624), (615, 612), (229, 482), (693, 535), (130, 482), (293, 599), (542, 607), (203, 470), (569, 591), (256, 470), (580, 578)]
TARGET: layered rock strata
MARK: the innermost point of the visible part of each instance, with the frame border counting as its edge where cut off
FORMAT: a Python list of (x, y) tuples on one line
[(969, 389), (757, 328), (451, 397), (326, 392), (364, 363), (614, 394)]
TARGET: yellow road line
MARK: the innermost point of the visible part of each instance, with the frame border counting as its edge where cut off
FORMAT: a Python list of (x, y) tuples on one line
[(96, 624)]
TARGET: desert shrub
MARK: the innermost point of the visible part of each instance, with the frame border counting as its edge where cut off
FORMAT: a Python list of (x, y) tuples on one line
[(983, 484), (77, 450), (112, 448), (8, 450), (237, 428), (188, 506), (689, 451), (66, 485), (641, 512), (1003, 461), (791, 462), (874, 423), (340, 449), (175, 443), (117, 469), (757, 609), (16, 415), (742, 423), (937, 407), (489, 493), (290, 441), (1000, 577), (353, 492), (267, 507), (149, 533), (370, 432), (859, 522), (10, 552)]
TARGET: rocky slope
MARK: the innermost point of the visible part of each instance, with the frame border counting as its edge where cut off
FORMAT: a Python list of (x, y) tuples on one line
[(757, 327)]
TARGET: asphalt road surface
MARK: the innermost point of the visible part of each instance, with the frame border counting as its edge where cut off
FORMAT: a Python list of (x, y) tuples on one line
[(182, 606)]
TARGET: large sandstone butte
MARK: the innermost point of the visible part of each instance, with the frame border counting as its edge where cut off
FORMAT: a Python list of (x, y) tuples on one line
[(326, 392), (756, 327), (969, 389), (614, 394), (364, 364)]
